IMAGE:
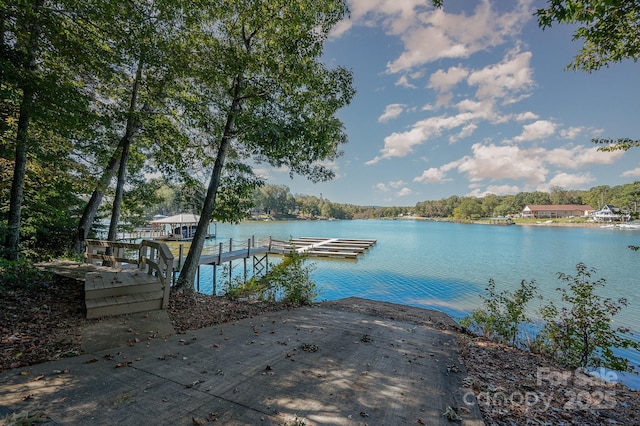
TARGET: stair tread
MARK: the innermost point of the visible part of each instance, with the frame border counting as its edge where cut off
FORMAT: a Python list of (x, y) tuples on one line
[(124, 299)]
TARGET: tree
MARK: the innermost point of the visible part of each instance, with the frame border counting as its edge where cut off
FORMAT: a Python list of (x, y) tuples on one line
[(274, 198), (608, 28), (469, 208), (268, 96), (581, 333), (489, 204), (610, 31), (147, 38), (47, 56)]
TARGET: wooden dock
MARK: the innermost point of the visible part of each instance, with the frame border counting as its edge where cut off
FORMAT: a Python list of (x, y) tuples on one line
[(125, 278), (349, 248)]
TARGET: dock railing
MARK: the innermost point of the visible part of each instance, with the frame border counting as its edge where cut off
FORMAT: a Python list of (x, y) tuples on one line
[(153, 257), (111, 253), (157, 260)]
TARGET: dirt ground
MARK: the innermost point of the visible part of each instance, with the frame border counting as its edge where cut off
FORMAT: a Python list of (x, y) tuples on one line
[(510, 386)]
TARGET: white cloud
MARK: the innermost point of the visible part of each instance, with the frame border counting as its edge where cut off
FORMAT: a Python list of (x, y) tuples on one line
[(496, 190), (340, 28), (381, 187), (502, 162), (432, 175), (537, 130), (571, 132), (432, 35), (404, 192), (531, 165), (632, 173), (403, 81), (502, 189), (526, 116), (402, 144), (396, 184), (263, 173), (572, 181), (464, 133), (390, 112), (443, 81), (508, 78), (580, 156)]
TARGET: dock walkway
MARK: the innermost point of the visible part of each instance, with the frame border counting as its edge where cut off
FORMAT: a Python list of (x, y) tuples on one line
[(124, 278)]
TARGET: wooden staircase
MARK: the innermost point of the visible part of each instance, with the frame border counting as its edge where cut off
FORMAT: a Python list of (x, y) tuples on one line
[(143, 286), (123, 292)]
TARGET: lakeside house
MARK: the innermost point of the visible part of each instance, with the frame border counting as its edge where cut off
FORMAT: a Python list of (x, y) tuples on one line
[(610, 213), (555, 211)]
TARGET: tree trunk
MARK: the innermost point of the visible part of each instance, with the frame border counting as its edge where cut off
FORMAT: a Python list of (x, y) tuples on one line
[(91, 209), (191, 263), (117, 201), (115, 162), (22, 141)]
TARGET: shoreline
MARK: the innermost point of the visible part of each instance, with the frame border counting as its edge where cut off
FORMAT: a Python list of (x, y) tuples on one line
[(517, 222)]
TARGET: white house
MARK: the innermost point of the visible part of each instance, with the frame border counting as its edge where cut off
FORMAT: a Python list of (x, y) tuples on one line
[(553, 211), (610, 213)]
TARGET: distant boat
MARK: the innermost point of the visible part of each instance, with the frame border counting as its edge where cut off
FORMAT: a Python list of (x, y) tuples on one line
[(180, 227)]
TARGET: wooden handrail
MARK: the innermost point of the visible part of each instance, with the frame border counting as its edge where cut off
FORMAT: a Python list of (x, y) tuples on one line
[(153, 257), (157, 259)]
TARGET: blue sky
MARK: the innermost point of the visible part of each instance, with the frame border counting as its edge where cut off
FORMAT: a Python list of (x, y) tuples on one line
[(469, 100)]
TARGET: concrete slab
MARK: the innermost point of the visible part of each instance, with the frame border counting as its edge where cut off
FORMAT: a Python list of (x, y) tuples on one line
[(123, 330), (322, 365)]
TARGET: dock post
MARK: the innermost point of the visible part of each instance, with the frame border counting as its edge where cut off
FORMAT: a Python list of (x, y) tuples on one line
[(245, 269), (214, 279)]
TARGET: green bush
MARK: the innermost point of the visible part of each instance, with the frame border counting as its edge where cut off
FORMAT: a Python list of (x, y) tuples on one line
[(16, 275), (254, 288), (580, 333), (503, 313), (293, 278), (289, 281)]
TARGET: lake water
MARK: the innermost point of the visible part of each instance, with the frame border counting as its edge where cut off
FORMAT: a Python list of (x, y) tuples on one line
[(446, 266)]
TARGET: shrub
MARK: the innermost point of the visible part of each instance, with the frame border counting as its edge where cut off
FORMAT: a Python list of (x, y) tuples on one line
[(292, 279), (16, 275), (581, 333), (503, 313), (289, 281)]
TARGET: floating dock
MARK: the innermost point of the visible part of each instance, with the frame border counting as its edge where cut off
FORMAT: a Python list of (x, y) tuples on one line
[(349, 248)]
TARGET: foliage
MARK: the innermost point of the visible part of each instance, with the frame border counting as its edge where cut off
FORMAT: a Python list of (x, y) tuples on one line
[(503, 312), (289, 281), (272, 199), (608, 29), (623, 144), (20, 274), (265, 95), (580, 333), (469, 208)]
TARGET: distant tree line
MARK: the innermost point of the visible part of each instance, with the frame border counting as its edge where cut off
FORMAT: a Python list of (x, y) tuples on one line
[(278, 201)]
